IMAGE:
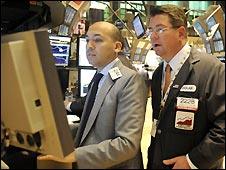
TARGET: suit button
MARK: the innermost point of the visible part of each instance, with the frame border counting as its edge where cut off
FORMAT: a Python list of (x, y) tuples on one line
[(159, 131)]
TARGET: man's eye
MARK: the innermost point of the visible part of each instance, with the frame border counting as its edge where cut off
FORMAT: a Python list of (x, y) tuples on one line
[(98, 40), (159, 30)]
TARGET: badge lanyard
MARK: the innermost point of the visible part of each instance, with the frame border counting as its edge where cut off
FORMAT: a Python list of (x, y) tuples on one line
[(164, 98)]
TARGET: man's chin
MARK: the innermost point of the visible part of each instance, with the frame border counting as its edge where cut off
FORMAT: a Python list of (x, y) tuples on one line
[(157, 52)]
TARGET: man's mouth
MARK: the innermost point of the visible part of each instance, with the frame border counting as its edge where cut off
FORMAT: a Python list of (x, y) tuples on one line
[(92, 55)]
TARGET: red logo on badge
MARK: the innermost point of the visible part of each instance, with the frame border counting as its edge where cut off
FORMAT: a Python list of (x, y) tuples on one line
[(187, 121)]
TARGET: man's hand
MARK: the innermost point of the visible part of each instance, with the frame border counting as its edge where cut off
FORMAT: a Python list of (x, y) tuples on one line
[(179, 162), (68, 159)]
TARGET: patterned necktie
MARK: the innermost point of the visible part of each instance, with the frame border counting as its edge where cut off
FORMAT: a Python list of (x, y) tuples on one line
[(167, 78), (95, 81)]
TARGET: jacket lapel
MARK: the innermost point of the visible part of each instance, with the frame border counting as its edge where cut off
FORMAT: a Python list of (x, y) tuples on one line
[(97, 104), (108, 83), (156, 91), (179, 81)]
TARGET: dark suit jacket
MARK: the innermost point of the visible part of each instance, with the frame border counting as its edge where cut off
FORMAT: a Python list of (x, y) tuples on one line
[(77, 106), (205, 143)]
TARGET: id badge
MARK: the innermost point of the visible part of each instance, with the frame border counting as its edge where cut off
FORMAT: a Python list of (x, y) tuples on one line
[(187, 103), (115, 73), (184, 120)]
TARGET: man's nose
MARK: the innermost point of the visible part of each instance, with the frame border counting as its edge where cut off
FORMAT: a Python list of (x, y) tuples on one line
[(90, 44), (154, 35)]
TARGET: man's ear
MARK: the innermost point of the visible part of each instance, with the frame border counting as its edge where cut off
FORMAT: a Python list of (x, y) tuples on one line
[(118, 46), (182, 32)]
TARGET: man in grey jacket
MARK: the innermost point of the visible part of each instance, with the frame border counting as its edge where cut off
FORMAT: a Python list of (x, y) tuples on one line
[(112, 135)]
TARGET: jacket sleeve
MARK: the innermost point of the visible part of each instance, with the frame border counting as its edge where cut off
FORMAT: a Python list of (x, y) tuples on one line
[(77, 106), (212, 147)]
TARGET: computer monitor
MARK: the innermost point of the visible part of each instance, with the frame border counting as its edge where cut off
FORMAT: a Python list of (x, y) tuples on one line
[(69, 14), (200, 30), (63, 30), (81, 52), (210, 22), (85, 77), (126, 45), (208, 48), (217, 35), (32, 108), (137, 53), (61, 46), (218, 46), (143, 56), (138, 26)]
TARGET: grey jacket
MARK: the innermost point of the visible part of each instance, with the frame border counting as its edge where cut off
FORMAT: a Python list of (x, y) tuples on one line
[(112, 135)]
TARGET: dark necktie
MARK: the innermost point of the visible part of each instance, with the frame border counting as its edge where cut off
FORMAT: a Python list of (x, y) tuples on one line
[(167, 78), (95, 81)]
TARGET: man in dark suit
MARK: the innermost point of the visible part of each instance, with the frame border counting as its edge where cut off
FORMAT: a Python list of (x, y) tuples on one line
[(112, 135), (188, 99)]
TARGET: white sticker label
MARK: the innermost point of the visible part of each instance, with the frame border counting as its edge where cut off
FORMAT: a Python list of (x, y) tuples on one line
[(154, 126), (176, 86), (184, 120), (115, 73), (187, 103), (188, 88)]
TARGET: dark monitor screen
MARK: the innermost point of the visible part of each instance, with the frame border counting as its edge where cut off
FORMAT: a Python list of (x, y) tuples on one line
[(85, 77), (81, 52), (32, 108), (138, 26), (61, 46), (63, 75)]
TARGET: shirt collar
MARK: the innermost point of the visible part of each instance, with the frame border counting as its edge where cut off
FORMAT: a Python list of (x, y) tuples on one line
[(105, 70), (179, 57)]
